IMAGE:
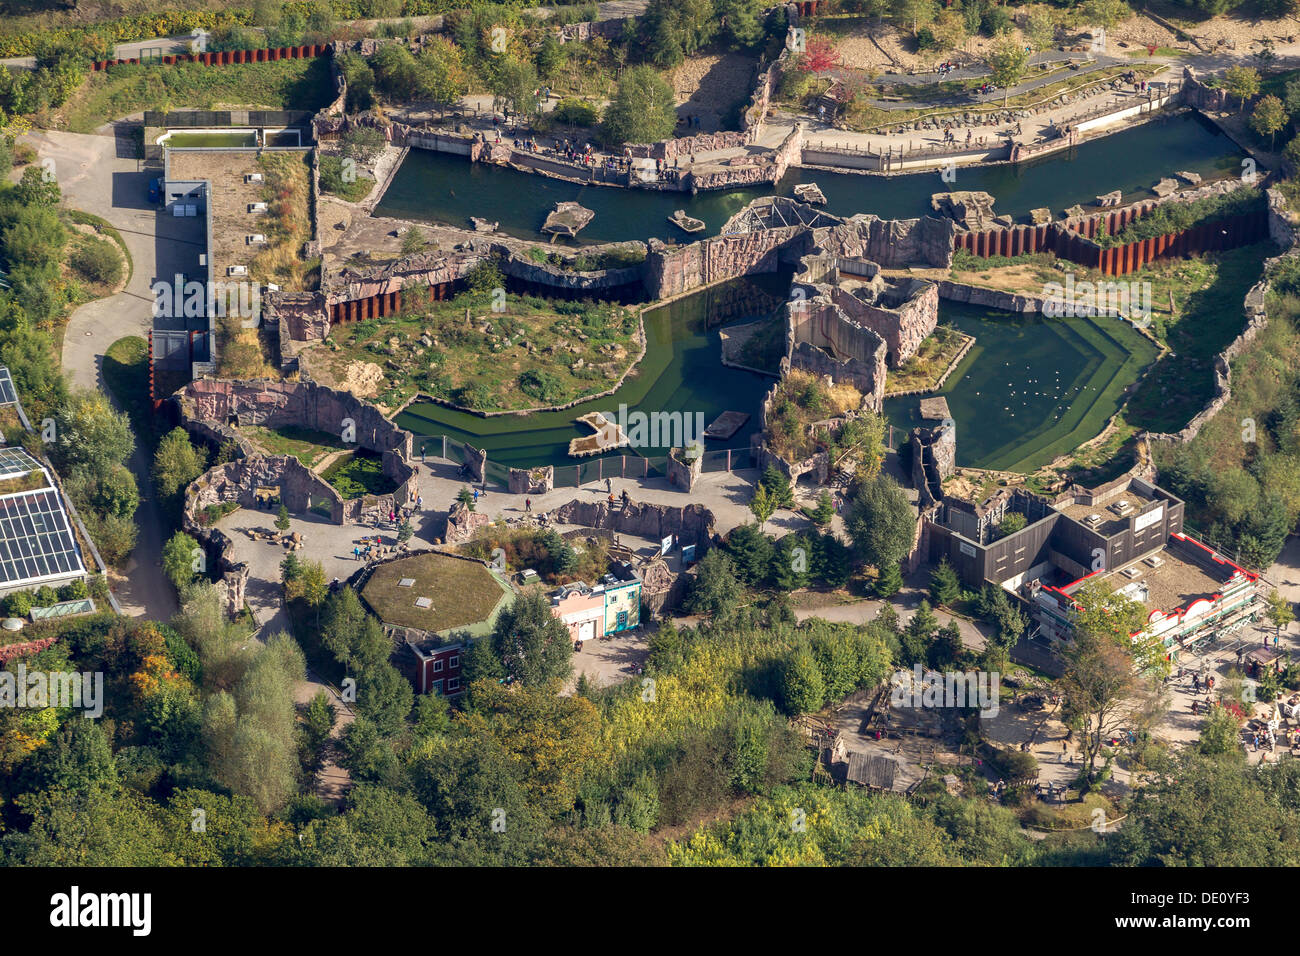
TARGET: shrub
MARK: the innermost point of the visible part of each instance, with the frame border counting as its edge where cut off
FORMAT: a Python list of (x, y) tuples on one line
[(97, 260), (18, 604), (576, 113)]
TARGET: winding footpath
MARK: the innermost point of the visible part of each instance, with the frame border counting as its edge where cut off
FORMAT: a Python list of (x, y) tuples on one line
[(96, 176)]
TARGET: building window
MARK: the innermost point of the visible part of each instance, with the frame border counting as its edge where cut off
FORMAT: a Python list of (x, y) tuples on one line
[(435, 687), (453, 661), (437, 665), (453, 683)]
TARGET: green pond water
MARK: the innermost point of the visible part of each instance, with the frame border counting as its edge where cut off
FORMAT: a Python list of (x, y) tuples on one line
[(439, 187), (210, 140), (1032, 388), (681, 373)]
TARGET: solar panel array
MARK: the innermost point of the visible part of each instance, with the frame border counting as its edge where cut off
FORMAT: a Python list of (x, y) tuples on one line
[(8, 395), (36, 540), (15, 462)]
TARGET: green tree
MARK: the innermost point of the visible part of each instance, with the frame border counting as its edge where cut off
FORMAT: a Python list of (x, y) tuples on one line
[(1268, 117), (762, 506), (466, 497), (1007, 61), (1040, 29), (176, 463), (880, 522), (1242, 82), (354, 636), (675, 29), (1221, 734), (1106, 13), (778, 487), (532, 644), (642, 111), (178, 557), (889, 580), (802, 688), (740, 22), (1097, 685), (1280, 611), (282, 518), (825, 511), (751, 552), (716, 588), (945, 588)]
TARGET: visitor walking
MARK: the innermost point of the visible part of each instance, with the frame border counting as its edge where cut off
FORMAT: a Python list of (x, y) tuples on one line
[(528, 504), (627, 499), (475, 496), (609, 486), (419, 502)]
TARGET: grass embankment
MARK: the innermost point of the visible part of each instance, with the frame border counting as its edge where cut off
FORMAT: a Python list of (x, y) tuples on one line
[(123, 90), (1196, 310), (536, 352)]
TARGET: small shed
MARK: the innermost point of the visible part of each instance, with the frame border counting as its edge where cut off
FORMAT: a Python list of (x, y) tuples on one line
[(872, 770)]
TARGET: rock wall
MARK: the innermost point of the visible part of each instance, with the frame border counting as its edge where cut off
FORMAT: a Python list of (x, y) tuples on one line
[(238, 481), (670, 149), (692, 524), (208, 408), (463, 524), (989, 298), (683, 473), (273, 404), (893, 243), (671, 271)]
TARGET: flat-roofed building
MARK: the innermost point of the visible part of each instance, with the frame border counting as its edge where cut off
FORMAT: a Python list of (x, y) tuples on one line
[(1127, 533)]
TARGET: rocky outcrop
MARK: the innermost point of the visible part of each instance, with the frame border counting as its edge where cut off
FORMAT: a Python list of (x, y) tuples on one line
[(893, 243), (1113, 198), (531, 481), (970, 209), (567, 219), (683, 472), (463, 524), (691, 524), (989, 298)]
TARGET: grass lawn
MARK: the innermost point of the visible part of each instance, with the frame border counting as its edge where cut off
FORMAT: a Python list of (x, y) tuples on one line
[(126, 372), (306, 444), (122, 90), (464, 593), (534, 353), (1263, 378), (932, 359), (1207, 315), (357, 474)]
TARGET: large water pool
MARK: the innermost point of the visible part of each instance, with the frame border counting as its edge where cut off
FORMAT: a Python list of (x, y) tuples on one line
[(1032, 388), (438, 187), (681, 373)]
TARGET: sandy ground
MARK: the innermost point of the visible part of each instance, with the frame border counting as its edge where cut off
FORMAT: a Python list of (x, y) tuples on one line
[(895, 49), (709, 86)]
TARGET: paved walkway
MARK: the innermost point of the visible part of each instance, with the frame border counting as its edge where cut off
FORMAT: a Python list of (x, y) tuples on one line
[(96, 175)]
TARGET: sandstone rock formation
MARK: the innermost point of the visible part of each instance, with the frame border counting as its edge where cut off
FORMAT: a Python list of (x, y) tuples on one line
[(567, 219), (971, 209)]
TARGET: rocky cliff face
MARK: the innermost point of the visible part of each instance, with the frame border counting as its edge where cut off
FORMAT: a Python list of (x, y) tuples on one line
[(893, 243), (692, 524)]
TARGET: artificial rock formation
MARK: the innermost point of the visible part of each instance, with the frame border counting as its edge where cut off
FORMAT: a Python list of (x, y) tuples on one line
[(971, 209), (690, 524)]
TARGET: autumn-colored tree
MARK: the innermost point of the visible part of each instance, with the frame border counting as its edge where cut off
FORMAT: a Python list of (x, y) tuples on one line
[(819, 56)]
